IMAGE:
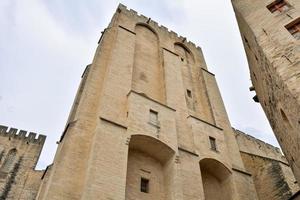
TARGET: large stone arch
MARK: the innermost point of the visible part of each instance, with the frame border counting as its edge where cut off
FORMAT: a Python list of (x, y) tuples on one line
[(150, 159), (216, 179), (148, 75)]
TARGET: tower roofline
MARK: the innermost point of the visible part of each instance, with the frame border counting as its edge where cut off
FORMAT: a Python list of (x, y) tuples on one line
[(160, 27)]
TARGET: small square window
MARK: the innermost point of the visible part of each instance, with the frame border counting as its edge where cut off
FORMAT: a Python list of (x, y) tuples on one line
[(278, 6), (213, 144), (153, 117), (294, 28), (144, 185), (189, 93)]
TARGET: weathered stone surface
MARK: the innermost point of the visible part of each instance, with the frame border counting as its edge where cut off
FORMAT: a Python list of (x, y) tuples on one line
[(272, 176), (274, 61), (114, 138), (19, 153)]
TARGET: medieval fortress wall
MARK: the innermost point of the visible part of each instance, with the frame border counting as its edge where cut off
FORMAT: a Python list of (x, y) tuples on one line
[(19, 153)]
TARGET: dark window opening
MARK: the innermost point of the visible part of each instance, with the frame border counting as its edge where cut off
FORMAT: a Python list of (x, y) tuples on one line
[(182, 59), (189, 93), (144, 185), (154, 117), (213, 144), (278, 6), (294, 28)]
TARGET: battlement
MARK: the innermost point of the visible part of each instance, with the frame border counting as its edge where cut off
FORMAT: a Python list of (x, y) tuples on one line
[(164, 29), (258, 141), (21, 135)]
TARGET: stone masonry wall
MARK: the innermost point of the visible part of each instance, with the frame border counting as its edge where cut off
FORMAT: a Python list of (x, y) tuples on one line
[(19, 153), (272, 176), (274, 61), (146, 103)]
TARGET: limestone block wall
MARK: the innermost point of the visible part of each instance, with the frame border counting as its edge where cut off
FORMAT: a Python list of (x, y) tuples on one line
[(273, 56), (272, 176), (19, 153)]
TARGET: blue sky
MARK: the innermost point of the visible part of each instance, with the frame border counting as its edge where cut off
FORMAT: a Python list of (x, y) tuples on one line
[(45, 46)]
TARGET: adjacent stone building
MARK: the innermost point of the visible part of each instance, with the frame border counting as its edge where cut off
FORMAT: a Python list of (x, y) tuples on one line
[(270, 30), (19, 153), (148, 123), (271, 173)]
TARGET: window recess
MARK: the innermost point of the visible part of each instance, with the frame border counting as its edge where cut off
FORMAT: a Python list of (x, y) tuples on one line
[(294, 28), (144, 185), (213, 144), (153, 118), (189, 93), (278, 6)]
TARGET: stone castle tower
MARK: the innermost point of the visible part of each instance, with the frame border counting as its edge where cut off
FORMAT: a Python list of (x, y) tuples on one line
[(148, 122), (271, 31)]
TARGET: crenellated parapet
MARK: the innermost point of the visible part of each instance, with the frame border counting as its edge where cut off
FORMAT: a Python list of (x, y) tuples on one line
[(162, 28), (258, 141), (22, 135), (251, 145)]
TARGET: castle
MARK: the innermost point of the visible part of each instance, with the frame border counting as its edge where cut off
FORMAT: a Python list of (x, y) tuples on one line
[(148, 123)]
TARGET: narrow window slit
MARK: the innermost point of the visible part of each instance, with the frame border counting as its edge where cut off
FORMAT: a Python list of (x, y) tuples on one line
[(189, 93), (213, 144), (144, 185)]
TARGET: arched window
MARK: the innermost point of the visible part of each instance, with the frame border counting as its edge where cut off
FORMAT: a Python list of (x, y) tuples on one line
[(9, 161), (187, 61), (216, 178), (150, 169)]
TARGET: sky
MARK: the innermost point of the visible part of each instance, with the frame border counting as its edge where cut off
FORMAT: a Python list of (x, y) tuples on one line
[(46, 45)]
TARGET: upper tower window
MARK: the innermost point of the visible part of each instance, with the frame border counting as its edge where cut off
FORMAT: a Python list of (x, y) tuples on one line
[(294, 28), (278, 6)]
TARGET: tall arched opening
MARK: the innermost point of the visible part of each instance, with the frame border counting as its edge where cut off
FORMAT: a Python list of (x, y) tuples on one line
[(9, 161), (149, 169), (187, 62), (147, 71), (216, 179)]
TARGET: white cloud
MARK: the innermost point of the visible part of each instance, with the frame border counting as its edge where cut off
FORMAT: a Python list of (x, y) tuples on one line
[(42, 63)]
